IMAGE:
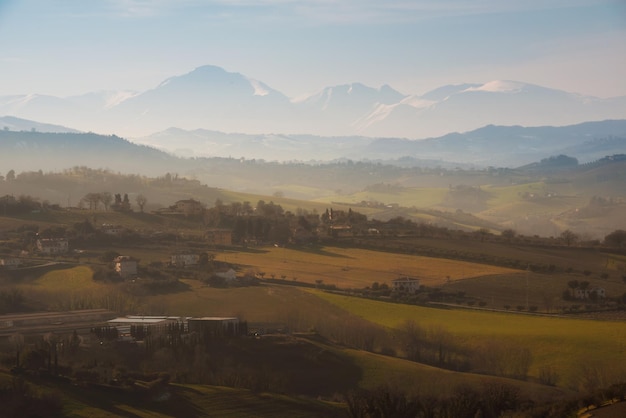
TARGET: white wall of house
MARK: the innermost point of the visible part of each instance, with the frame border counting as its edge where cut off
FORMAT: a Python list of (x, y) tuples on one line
[(184, 260), (52, 245), (406, 285)]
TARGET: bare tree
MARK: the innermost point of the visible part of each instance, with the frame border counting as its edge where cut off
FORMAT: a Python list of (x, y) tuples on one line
[(569, 237), (17, 340), (141, 201), (107, 198), (93, 199)]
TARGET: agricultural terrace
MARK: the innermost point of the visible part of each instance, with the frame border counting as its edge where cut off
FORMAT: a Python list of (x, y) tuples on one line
[(573, 347), (355, 268)]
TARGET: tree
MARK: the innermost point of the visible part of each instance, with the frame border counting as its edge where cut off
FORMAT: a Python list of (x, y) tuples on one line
[(616, 238), (107, 198), (509, 234), (93, 199), (10, 175), (411, 337), (141, 201), (569, 237), (571, 293), (17, 340)]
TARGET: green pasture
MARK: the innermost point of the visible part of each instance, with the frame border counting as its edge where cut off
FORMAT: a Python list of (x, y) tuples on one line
[(68, 280), (406, 197), (426, 380), (572, 346)]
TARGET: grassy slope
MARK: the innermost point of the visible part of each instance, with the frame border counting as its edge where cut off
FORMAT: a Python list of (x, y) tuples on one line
[(567, 344), (431, 381)]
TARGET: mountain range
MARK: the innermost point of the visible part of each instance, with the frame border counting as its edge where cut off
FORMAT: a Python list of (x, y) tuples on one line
[(499, 146), (214, 99)]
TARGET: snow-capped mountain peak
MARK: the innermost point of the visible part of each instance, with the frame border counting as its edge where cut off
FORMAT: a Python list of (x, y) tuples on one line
[(499, 86), (213, 98)]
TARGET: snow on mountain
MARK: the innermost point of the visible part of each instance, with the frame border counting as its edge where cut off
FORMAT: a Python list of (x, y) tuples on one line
[(212, 98), (499, 86)]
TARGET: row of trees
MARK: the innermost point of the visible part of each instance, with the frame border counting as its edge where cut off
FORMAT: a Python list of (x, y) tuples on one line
[(490, 400), (110, 201)]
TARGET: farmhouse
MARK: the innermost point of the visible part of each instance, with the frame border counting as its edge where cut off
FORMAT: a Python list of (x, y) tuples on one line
[(52, 245), (114, 230), (125, 266), (405, 285), (338, 231), (10, 263), (589, 293), (188, 207), (184, 259)]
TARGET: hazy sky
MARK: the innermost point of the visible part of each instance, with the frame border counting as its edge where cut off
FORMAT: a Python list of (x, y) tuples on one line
[(68, 47)]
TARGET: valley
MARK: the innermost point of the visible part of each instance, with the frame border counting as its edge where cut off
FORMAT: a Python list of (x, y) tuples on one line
[(493, 310)]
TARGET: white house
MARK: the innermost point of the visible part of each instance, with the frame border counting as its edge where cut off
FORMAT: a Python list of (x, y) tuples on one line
[(405, 285), (125, 266), (114, 230), (589, 293), (188, 207), (10, 263), (185, 259), (52, 245), (230, 275)]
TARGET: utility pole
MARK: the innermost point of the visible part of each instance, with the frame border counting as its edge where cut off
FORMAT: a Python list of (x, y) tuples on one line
[(527, 275)]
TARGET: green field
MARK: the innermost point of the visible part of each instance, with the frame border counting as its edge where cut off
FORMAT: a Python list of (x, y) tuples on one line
[(572, 346), (559, 342)]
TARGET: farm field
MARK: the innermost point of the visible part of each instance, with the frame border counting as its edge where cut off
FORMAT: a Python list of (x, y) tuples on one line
[(380, 370), (355, 268), (562, 343)]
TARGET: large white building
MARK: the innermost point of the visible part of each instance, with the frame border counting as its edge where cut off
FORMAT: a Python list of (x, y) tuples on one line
[(53, 245), (405, 285), (184, 259)]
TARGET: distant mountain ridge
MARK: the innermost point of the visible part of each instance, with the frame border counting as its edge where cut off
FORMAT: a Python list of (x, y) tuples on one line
[(500, 146), (212, 98)]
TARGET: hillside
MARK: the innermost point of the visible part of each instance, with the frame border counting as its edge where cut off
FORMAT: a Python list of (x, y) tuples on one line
[(539, 199), (495, 146)]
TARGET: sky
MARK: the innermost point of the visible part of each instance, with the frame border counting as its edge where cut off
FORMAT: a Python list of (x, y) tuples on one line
[(298, 47)]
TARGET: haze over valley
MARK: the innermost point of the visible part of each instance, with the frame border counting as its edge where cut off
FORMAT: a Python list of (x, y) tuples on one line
[(313, 208)]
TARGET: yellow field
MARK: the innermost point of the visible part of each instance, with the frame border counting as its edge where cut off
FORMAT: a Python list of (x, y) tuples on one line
[(356, 268), (255, 304)]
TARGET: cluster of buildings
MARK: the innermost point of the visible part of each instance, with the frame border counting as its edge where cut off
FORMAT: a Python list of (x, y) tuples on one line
[(135, 327)]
